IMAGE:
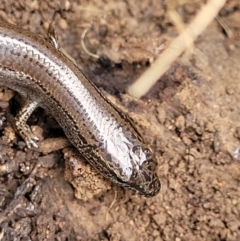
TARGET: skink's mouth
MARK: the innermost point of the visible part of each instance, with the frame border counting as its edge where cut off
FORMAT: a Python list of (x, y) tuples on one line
[(151, 189), (147, 189)]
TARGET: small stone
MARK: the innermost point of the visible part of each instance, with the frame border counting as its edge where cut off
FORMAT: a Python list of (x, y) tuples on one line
[(186, 140), (52, 144), (49, 160), (158, 238), (210, 127), (160, 218), (233, 225), (215, 222), (208, 205), (67, 5), (155, 233), (161, 115), (63, 24), (180, 123)]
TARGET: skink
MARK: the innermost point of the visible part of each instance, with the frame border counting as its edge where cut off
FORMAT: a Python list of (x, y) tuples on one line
[(103, 135)]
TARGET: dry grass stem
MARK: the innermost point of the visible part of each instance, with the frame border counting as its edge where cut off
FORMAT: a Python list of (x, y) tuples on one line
[(143, 84)]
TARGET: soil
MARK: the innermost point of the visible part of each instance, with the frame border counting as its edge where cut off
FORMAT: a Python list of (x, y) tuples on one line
[(190, 118)]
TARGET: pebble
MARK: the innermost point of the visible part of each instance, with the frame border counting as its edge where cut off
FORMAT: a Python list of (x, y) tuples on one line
[(180, 123), (161, 115), (233, 225), (160, 218), (215, 222), (49, 160), (63, 24), (52, 144), (155, 233)]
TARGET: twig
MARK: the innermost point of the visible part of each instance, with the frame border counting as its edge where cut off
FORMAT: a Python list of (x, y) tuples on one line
[(177, 46), (84, 46), (111, 205)]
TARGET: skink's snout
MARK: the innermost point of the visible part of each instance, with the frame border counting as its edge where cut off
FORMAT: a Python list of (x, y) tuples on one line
[(146, 181)]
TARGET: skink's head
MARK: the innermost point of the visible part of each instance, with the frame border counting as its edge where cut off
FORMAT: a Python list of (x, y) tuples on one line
[(134, 166), (144, 178), (126, 160)]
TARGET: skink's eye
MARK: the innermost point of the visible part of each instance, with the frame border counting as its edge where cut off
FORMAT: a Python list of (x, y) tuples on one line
[(148, 153)]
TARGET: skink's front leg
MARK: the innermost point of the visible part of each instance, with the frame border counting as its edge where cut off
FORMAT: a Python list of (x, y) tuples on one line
[(21, 123)]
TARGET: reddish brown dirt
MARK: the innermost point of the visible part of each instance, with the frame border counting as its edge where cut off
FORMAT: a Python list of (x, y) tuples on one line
[(190, 118)]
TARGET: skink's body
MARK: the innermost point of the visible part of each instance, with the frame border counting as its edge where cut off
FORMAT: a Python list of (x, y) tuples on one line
[(102, 134)]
